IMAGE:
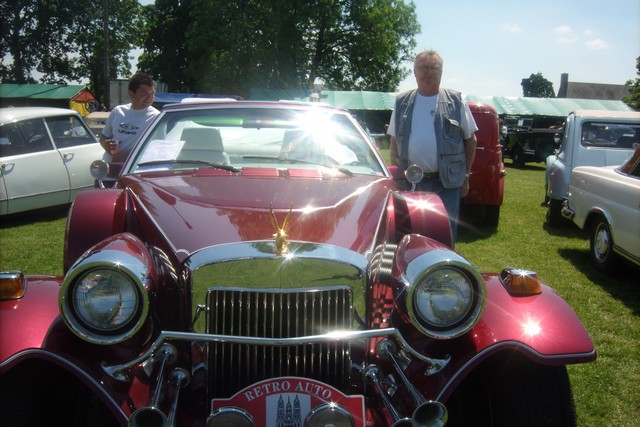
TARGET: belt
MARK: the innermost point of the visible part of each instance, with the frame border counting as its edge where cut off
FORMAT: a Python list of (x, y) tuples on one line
[(430, 175)]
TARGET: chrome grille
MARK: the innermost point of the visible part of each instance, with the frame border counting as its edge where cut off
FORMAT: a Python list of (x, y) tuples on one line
[(277, 314)]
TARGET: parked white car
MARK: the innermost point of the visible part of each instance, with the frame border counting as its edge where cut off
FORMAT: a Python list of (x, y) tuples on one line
[(605, 201), (45, 154), (590, 138)]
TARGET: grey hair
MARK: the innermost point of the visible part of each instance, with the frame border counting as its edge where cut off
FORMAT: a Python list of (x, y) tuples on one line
[(429, 52)]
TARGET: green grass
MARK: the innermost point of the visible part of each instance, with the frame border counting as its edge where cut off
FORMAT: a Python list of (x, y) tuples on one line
[(607, 391)]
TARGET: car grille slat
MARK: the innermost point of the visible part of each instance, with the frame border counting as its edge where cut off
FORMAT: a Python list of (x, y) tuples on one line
[(277, 314)]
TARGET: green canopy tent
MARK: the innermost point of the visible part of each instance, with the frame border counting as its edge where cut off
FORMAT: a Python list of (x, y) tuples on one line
[(75, 97)]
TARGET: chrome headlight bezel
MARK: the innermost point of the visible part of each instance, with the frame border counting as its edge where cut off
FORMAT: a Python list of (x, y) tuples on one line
[(463, 293), (132, 275)]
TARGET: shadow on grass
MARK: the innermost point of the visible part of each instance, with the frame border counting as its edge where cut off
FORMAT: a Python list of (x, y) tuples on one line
[(622, 284), (473, 224), (565, 229), (527, 166), (31, 217)]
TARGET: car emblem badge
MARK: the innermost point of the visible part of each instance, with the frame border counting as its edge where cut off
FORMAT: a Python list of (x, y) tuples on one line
[(282, 245)]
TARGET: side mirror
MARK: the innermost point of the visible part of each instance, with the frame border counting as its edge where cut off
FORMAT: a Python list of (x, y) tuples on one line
[(99, 169), (414, 174), (557, 138)]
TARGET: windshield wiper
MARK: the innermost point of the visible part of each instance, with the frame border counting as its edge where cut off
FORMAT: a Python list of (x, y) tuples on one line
[(300, 161), (190, 162)]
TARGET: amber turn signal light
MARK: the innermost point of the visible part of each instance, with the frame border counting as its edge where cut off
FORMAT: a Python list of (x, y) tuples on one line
[(12, 285), (520, 282)]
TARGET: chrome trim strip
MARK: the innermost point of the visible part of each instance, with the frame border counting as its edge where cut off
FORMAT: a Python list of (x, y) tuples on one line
[(117, 372), (263, 249)]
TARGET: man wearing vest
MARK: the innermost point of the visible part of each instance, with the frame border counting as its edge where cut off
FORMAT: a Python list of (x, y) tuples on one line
[(434, 129)]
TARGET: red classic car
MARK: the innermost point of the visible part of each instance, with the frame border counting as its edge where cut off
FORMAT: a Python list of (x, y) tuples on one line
[(256, 264), (486, 184)]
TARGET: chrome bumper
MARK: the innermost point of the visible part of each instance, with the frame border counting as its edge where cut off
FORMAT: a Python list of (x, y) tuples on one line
[(566, 211)]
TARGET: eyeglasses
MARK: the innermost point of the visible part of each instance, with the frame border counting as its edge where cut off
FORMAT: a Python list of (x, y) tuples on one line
[(430, 68)]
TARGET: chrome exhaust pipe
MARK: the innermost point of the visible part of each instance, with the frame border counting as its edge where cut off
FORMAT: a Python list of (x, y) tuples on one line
[(374, 373), (151, 415), (428, 413)]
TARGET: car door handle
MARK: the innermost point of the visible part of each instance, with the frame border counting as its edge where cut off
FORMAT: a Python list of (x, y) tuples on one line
[(68, 156), (7, 166)]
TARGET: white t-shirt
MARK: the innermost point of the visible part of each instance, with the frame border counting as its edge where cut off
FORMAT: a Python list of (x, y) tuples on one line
[(423, 150), (126, 124)]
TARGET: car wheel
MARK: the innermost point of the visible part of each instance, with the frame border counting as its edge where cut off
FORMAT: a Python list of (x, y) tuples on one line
[(517, 156), (514, 391), (492, 215), (554, 213), (601, 246)]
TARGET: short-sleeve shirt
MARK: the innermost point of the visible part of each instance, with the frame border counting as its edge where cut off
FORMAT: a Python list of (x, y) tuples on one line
[(126, 124)]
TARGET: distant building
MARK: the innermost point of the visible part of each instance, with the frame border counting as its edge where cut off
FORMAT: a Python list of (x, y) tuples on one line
[(590, 90), (75, 97)]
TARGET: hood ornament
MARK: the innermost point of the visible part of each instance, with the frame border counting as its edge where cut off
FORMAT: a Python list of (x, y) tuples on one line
[(282, 246)]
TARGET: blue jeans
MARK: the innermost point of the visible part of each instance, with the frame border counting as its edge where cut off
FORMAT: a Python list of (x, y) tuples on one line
[(450, 198)]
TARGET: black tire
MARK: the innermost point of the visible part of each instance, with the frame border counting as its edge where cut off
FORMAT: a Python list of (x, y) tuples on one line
[(492, 215), (517, 156), (514, 391), (601, 246), (554, 213)]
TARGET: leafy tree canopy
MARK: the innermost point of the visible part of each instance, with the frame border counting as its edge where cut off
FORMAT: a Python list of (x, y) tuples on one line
[(62, 40), (536, 86), (633, 100), (230, 47)]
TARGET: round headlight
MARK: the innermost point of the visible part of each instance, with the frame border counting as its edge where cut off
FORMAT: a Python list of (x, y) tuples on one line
[(443, 298), (446, 294), (105, 299), (230, 416), (330, 414)]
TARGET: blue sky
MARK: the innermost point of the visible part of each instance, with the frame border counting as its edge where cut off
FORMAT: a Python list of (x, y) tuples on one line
[(489, 46)]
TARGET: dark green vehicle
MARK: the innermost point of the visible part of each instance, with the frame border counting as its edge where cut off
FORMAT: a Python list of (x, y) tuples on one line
[(526, 143)]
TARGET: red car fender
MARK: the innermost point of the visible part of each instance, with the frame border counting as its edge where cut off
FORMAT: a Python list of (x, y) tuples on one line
[(118, 411), (24, 322), (542, 325), (419, 213), (94, 216)]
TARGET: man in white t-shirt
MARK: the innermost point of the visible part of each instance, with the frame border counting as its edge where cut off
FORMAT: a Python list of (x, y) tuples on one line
[(434, 129), (126, 122)]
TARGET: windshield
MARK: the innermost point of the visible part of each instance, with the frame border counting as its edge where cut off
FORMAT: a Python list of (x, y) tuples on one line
[(239, 137)]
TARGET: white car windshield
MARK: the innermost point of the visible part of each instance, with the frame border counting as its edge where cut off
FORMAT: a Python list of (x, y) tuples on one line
[(235, 138)]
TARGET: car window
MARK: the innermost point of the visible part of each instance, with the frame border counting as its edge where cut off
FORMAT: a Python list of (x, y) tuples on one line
[(11, 142), (69, 131), (24, 137), (610, 135), (632, 165), (258, 137)]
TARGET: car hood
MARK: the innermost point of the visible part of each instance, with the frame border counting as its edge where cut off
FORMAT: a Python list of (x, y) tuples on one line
[(206, 208)]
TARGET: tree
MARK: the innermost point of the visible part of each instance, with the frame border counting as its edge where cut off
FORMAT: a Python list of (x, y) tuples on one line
[(62, 40), (633, 100), (231, 47), (536, 86)]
